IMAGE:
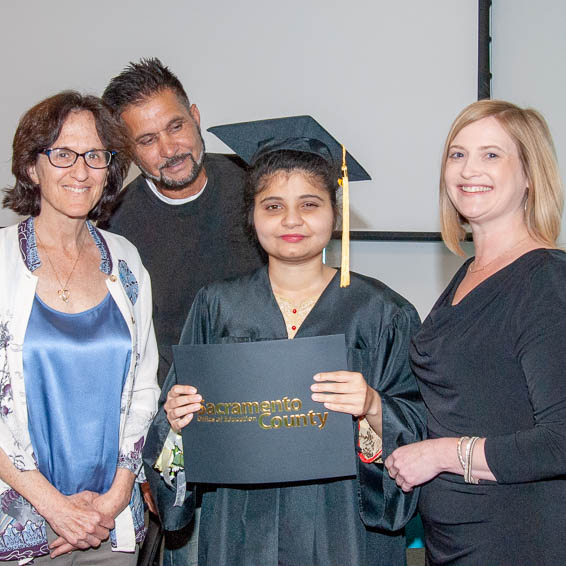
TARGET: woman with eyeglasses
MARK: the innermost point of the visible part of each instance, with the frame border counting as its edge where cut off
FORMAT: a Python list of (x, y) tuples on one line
[(78, 357)]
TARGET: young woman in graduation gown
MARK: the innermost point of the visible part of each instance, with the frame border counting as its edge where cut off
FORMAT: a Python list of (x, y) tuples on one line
[(491, 356), (291, 208)]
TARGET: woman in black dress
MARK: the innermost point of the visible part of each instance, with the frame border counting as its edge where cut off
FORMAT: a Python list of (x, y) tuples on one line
[(291, 206), (491, 356)]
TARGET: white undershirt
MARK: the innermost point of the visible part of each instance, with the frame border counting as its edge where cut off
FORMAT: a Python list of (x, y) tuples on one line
[(174, 201)]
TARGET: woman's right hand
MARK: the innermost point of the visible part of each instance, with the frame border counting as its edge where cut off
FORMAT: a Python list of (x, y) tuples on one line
[(182, 402), (71, 517)]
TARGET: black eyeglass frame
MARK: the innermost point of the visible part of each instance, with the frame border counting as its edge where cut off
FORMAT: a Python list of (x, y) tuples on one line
[(48, 151)]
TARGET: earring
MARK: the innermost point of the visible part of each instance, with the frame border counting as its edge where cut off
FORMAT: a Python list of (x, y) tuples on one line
[(526, 199)]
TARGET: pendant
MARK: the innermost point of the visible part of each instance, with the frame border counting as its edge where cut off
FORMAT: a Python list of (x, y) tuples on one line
[(64, 294)]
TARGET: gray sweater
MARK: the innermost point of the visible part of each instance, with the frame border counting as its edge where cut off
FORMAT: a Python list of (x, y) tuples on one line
[(187, 246)]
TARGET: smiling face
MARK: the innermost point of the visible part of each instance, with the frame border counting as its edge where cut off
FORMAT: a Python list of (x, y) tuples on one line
[(293, 217), (73, 191), (168, 145), (484, 176)]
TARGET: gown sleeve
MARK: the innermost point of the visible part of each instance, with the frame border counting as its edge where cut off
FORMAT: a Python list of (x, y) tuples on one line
[(195, 331), (539, 452), (382, 503)]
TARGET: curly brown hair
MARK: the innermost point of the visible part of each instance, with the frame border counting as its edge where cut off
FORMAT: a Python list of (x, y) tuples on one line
[(38, 129)]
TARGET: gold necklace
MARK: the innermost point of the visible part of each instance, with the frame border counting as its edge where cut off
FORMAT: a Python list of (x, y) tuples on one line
[(294, 314), (470, 270), (64, 293)]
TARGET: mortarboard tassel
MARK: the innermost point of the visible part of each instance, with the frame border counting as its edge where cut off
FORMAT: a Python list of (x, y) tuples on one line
[(345, 266)]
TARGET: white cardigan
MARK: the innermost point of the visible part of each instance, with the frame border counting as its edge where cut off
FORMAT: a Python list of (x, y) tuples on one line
[(128, 283)]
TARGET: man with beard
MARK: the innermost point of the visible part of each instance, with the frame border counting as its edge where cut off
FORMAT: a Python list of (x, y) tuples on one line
[(183, 213)]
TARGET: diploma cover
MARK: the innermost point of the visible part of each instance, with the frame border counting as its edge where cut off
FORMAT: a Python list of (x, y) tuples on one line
[(258, 423)]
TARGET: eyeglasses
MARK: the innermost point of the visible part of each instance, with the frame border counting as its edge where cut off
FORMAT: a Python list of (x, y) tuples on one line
[(63, 157)]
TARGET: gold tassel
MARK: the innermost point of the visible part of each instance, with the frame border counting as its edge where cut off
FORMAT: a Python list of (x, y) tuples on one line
[(345, 266)]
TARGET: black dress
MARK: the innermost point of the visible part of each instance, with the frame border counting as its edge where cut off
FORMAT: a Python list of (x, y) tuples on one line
[(325, 523), (494, 366)]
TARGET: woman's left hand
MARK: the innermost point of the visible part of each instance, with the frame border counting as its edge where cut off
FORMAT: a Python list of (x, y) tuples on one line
[(346, 392), (104, 504), (83, 500), (109, 504), (414, 464)]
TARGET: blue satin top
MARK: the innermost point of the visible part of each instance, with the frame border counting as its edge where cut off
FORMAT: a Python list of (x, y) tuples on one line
[(75, 366)]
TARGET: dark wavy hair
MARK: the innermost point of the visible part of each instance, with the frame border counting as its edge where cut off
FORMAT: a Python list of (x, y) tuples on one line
[(139, 81), (40, 127), (286, 161)]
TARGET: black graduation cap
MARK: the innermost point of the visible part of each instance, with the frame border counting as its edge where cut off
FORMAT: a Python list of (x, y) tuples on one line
[(251, 140)]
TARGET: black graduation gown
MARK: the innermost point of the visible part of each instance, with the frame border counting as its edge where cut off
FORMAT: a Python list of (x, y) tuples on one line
[(352, 522)]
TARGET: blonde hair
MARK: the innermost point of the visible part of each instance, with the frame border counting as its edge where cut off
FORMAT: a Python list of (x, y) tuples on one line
[(529, 130)]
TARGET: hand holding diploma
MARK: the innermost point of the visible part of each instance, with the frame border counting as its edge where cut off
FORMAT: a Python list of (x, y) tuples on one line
[(254, 400), (182, 402), (348, 392), (341, 391)]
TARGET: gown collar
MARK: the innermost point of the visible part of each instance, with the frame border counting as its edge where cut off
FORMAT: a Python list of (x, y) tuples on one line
[(311, 316)]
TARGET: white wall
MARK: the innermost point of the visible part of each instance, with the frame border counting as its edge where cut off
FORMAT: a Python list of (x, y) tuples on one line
[(386, 77), (529, 62), (529, 68), (419, 271)]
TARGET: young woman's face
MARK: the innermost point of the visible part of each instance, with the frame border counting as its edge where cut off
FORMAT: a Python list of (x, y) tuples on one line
[(484, 176), (293, 218)]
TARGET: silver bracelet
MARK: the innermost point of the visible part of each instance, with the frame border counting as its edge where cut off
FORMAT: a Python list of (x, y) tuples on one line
[(459, 451), (468, 478)]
